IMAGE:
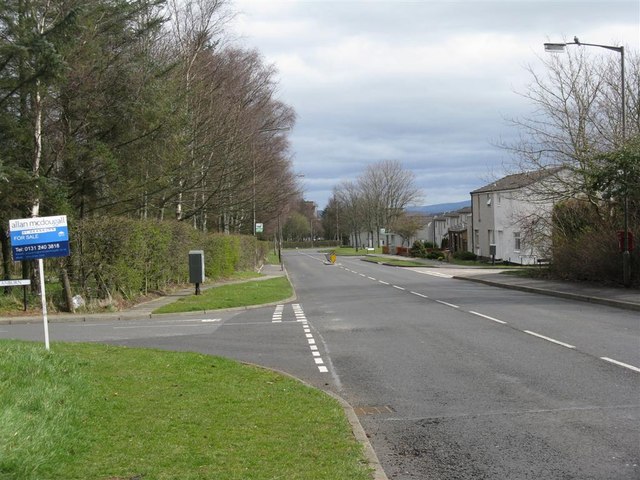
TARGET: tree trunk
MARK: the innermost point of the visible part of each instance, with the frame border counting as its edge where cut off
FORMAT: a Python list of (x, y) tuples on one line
[(68, 297), (6, 256)]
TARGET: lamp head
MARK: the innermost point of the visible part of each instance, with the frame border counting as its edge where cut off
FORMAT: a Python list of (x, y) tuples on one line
[(554, 47)]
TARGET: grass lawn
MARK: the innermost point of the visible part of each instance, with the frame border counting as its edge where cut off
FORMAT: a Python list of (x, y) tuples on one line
[(394, 262), (528, 272), (234, 295), (88, 411), (350, 251)]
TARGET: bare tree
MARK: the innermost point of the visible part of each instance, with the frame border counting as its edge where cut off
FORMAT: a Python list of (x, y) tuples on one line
[(407, 226), (576, 116), (387, 189), (351, 203), (577, 119), (196, 26)]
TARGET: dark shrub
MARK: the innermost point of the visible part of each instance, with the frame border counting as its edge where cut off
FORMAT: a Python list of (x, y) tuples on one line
[(418, 249), (465, 256)]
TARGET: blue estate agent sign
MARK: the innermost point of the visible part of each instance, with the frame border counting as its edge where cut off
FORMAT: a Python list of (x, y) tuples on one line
[(39, 237)]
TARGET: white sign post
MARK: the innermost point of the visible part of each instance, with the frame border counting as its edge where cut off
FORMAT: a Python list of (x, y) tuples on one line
[(38, 238), (43, 297)]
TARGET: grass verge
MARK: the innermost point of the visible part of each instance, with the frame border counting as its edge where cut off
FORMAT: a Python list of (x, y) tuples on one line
[(272, 258), (350, 251), (86, 411), (234, 295), (528, 272), (394, 262)]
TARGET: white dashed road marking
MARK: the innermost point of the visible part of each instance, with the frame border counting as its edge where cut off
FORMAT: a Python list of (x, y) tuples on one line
[(548, 339), (487, 317), (502, 322), (620, 364), (317, 358), (419, 294), (447, 304), (277, 314)]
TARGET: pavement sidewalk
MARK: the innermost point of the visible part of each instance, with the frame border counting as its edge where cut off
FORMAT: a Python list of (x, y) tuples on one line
[(627, 298)]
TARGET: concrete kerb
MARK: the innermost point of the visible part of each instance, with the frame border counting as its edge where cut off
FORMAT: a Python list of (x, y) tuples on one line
[(554, 293), (361, 437)]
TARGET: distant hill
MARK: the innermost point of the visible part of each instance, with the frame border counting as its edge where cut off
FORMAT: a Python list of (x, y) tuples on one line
[(440, 207)]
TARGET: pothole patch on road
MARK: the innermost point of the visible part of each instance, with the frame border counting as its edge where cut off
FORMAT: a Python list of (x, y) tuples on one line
[(373, 410)]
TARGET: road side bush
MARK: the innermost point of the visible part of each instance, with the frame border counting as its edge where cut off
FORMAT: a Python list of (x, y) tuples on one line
[(434, 255), (127, 258), (465, 256), (585, 246), (418, 249)]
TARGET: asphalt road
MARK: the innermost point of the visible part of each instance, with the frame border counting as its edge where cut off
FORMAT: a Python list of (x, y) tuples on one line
[(451, 379)]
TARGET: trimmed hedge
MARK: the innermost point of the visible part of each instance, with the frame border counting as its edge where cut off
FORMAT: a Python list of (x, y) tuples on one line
[(126, 257)]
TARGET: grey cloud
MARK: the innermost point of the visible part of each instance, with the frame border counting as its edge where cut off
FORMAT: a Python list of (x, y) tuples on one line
[(433, 92)]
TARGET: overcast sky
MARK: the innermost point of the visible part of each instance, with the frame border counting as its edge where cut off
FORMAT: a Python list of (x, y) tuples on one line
[(429, 83)]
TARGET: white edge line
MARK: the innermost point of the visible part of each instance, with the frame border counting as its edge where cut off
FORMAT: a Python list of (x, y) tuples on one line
[(548, 339), (625, 365), (488, 317)]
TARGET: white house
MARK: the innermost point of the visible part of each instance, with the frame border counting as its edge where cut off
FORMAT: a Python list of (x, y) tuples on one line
[(503, 214), (442, 225), (459, 230)]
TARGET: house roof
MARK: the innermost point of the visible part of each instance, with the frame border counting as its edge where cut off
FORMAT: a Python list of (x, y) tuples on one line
[(517, 180)]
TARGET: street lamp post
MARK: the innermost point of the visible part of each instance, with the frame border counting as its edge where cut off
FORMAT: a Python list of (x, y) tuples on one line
[(558, 48)]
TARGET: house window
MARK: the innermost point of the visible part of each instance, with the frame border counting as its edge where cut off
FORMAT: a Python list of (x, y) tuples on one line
[(491, 237), (517, 241)]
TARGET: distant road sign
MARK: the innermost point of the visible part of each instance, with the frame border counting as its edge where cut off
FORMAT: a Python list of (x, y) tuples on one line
[(14, 283), (259, 227), (39, 237)]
